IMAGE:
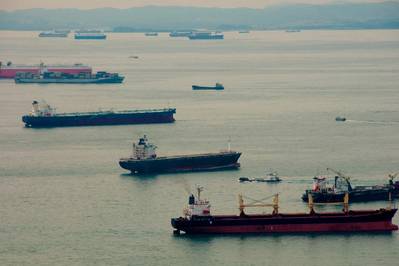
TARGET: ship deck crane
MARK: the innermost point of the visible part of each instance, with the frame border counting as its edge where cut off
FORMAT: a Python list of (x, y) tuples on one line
[(340, 175)]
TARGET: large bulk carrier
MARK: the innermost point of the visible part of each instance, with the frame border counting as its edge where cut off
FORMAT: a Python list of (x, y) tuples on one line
[(197, 219), (145, 160), (45, 116), (10, 70)]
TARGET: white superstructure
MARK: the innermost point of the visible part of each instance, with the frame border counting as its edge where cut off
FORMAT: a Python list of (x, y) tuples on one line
[(42, 109), (143, 149), (197, 206)]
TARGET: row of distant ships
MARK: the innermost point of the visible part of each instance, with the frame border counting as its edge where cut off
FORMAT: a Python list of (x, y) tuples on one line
[(100, 35), (83, 34)]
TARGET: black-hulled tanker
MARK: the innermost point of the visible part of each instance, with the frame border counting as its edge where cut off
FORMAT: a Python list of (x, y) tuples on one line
[(45, 116), (145, 160)]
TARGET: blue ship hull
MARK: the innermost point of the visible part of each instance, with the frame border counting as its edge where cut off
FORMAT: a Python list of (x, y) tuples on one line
[(97, 119), (206, 37), (102, 37)]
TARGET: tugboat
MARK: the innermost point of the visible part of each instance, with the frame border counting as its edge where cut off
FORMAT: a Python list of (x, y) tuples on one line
[(271, 177), (218, 86), (198, 219), (44, 115), (100, 77), (321, 192), (144, 160)]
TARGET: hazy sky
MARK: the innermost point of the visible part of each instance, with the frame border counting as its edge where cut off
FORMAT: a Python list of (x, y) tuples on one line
[(87, 4)]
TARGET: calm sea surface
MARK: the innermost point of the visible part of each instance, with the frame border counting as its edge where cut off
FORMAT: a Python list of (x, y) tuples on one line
[(65, 201)]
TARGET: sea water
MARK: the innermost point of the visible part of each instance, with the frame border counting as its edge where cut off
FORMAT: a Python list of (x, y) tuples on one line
[(64, 200)]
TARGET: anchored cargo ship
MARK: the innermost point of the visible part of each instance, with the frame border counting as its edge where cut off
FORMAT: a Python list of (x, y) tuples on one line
[(218, 86), (206, 36), (180, 33), (10, 70), (321, 192), (43, 115), (54, 33), (151, 34), (197, 219), (145, 160), (100, 77), (90, 35)]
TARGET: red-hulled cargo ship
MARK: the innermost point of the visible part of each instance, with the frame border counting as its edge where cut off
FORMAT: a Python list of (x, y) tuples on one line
[(10, 70), (198, 220)]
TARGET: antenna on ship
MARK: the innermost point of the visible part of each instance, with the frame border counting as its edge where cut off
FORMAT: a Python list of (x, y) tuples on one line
[(229, 144)]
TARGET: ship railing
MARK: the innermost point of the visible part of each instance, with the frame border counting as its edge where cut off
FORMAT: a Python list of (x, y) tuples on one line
[(117, 112)]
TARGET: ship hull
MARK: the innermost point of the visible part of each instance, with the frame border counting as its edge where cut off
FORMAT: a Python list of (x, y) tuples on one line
[(71, 81), (354, 221), (187, 163), (354, 196), (97, 120), (11, 72), (100, 37), (211, 37), (53, 35), (195, 87)]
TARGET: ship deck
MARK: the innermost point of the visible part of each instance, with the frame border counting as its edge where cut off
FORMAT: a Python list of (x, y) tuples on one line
[(112, 112), (183, 156)]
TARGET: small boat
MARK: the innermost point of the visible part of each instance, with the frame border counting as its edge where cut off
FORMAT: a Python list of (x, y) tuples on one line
[(340, 119), (243, 31), (218, 86), (245, 179), (197, 219), (269, 178)]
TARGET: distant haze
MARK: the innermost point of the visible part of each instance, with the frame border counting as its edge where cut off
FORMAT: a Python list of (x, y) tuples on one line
[(90, 4), (163, 18)]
